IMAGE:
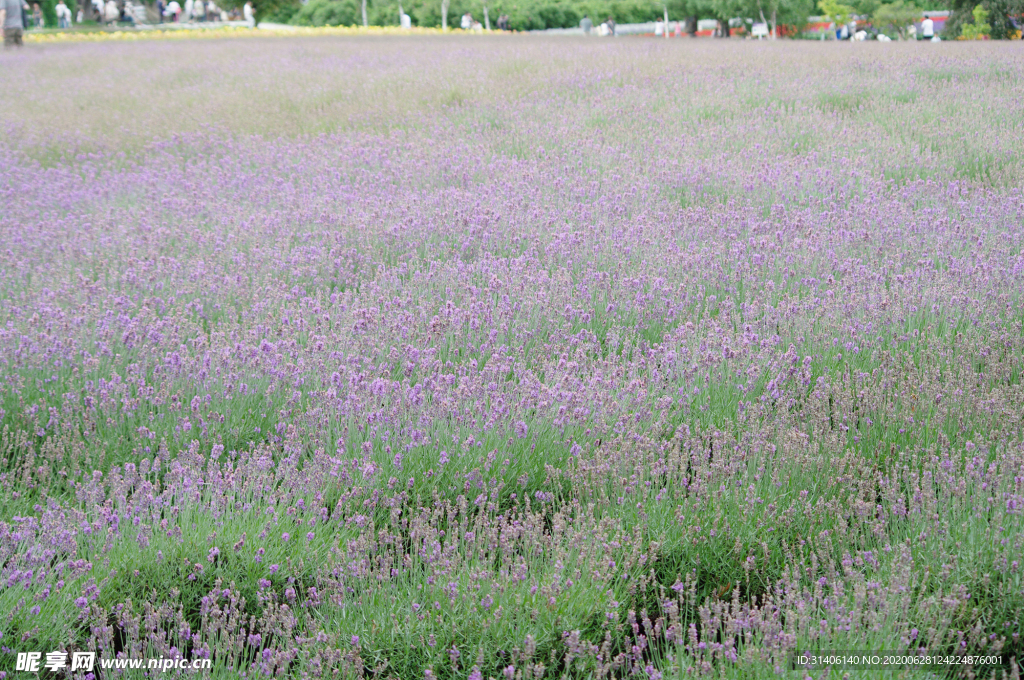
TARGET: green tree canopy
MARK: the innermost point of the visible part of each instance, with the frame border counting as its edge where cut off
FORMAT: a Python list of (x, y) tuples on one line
[(980, 28), (1001, 16), (836, 11)]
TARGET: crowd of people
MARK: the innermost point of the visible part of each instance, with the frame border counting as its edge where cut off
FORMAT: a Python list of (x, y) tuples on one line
[(851, 31), (17, 16), (607, 28), (201, 11), (468, 23)]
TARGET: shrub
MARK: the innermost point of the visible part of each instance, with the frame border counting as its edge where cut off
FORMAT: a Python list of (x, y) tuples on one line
[(328, 13)]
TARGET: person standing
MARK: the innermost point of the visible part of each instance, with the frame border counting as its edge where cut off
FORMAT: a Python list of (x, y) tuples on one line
[(611, 27), (12, 20), (111, 13), (37, 15), (586, 24), (927, 28), (128, 12), (249, 15), (63, 15)]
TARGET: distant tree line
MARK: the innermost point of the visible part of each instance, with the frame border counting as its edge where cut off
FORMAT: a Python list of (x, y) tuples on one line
[(783, 17), (524, 15)]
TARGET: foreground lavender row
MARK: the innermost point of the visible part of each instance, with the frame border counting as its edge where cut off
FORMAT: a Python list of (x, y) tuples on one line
[(513, 359)]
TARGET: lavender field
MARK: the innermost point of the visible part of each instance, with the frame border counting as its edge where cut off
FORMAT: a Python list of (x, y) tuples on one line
[(510, 357)]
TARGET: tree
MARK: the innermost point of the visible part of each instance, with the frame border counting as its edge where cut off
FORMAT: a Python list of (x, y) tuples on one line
[(1002, 14), (723, 11), (327, 13), (980, 28), (444, 15), (896, 15), (866, 8), (836, 12), (773, 13), (365, 20), (49, 8), (277, 10)]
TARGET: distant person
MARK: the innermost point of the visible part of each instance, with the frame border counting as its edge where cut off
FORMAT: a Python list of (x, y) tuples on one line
[(611, 26), (13, 22), (187, 10), (63, 15), (81, 15), (406, 21), (467, 21), (127, 13), (249, 15), (37, 15), (111, 13), (927, 28), (586, 24), (173, 10), (199, 10), (912, 32)]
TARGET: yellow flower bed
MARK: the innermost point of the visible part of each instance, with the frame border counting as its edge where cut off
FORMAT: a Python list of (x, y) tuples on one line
[(226, 32)]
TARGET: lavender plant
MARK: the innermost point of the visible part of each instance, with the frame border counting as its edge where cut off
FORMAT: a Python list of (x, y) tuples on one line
[(457, 358)]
